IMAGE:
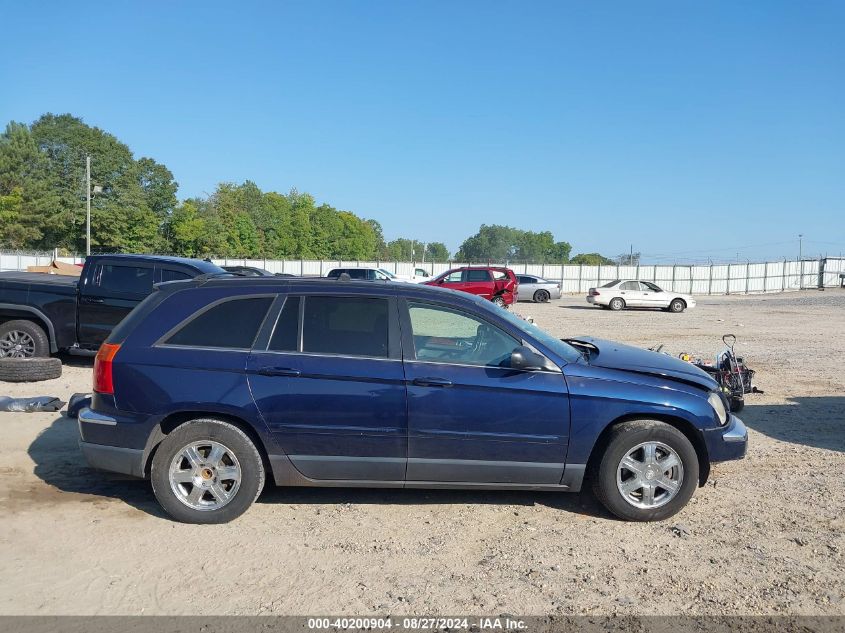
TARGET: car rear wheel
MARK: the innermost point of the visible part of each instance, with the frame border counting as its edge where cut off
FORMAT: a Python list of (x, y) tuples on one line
[(499, 300), (616, 303), (23, 339), (677, 305), (207, 471), (542, 296), (648, 471)]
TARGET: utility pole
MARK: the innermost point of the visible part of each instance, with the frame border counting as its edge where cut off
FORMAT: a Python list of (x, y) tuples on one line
[(631, 256), (800, 247), (88, 205)]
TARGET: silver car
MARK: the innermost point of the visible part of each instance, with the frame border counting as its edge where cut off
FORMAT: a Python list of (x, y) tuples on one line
[(537, 289)]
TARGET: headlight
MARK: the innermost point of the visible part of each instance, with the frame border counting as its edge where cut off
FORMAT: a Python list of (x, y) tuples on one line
[(715, 400)]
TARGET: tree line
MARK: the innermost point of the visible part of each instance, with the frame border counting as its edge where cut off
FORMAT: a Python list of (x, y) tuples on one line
[(136, 209)]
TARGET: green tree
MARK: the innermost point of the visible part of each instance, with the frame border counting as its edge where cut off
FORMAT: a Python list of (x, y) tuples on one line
[(591, 259), (187, 230), (25, 183), (121, 216), (436, 252), (505, 243)]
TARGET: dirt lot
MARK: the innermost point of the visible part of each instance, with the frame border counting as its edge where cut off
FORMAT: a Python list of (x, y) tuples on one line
[(764, 536)]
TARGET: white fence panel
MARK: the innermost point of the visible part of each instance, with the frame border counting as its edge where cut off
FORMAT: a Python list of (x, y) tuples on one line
[(737, 278)]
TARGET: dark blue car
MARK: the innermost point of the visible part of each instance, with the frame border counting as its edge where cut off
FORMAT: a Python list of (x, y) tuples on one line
[(213, 385)]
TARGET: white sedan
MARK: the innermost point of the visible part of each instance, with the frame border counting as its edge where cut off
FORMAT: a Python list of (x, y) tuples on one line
[(630, 293)]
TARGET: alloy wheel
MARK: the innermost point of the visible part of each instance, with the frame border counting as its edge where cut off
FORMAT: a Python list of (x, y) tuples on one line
[(17, 344), (649, 475), (205, 475)]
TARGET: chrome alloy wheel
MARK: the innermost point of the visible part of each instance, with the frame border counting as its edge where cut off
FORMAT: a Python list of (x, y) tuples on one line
[(205, 475), (17, 344), (649, 475)]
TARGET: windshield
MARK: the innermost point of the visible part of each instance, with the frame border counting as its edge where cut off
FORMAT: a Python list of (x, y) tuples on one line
[(564, 350), (389, 274)]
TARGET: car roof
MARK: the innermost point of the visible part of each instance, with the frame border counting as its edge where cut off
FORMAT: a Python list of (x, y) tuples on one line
[(321, 285), (199, 264)]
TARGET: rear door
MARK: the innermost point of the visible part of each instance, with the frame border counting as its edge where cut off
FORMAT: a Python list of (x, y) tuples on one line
[(631, 293), (478, 282), (527, 286), (108, 294), (329, 383)]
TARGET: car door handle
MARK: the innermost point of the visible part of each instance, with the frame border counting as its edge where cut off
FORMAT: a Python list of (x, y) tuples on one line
[(432, 382), (280, 371), (94, 300)]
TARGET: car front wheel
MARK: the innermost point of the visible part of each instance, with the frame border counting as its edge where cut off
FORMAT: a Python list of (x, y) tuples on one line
[(648, 471), (677, 305), (207, 471)]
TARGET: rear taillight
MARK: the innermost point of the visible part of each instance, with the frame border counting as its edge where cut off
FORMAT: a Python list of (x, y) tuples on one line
[(103, 368), (594, 292)]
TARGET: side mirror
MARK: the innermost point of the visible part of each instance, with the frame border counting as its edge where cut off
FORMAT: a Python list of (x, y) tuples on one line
[(524, 358)]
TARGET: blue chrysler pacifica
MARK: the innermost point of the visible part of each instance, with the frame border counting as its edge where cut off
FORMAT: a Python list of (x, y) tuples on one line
[(212, 385)]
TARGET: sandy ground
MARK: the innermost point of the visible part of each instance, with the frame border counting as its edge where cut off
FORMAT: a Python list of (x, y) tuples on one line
[(764, 536)]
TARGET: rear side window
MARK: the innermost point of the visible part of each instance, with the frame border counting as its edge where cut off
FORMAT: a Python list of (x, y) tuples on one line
[(477, 275), (133, 280), (232, 324), (286, 333), (173, 275), (351, 326)]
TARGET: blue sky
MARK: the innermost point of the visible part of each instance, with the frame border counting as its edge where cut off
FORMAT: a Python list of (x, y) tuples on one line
[(688, 129)]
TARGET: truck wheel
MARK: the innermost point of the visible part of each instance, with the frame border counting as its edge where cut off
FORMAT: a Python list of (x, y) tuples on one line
[(29, 369), (207, 471), (23, 339), (616, 304), (648, 471)]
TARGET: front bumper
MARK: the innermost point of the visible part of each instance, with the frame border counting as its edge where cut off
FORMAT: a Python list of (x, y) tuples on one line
[(727, 442), (96, 431)]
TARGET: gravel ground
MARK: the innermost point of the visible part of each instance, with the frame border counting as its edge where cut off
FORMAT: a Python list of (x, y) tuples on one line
[(764, 536)]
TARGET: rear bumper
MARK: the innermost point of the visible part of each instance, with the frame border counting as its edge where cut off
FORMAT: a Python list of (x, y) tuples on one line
[(103, 440), (728, 442), (128, 461)]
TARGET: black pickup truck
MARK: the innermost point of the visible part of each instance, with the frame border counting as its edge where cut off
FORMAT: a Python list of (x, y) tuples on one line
[(42, 314)]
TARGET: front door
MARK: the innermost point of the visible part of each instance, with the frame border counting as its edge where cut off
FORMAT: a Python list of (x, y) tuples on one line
[(330, 386), (470, 417)]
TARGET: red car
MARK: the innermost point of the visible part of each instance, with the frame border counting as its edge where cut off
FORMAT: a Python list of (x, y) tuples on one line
[(498, 284)]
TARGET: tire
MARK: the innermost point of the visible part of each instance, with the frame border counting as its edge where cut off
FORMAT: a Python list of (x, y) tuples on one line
[(616, 304), (239, 456), (627, 438), (23, 339), (542, 296), (737, 404), (499, 301), (29, 369), (677, 306)]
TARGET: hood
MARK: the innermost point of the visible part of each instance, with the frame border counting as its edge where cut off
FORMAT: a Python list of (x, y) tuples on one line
[(613, 355)]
